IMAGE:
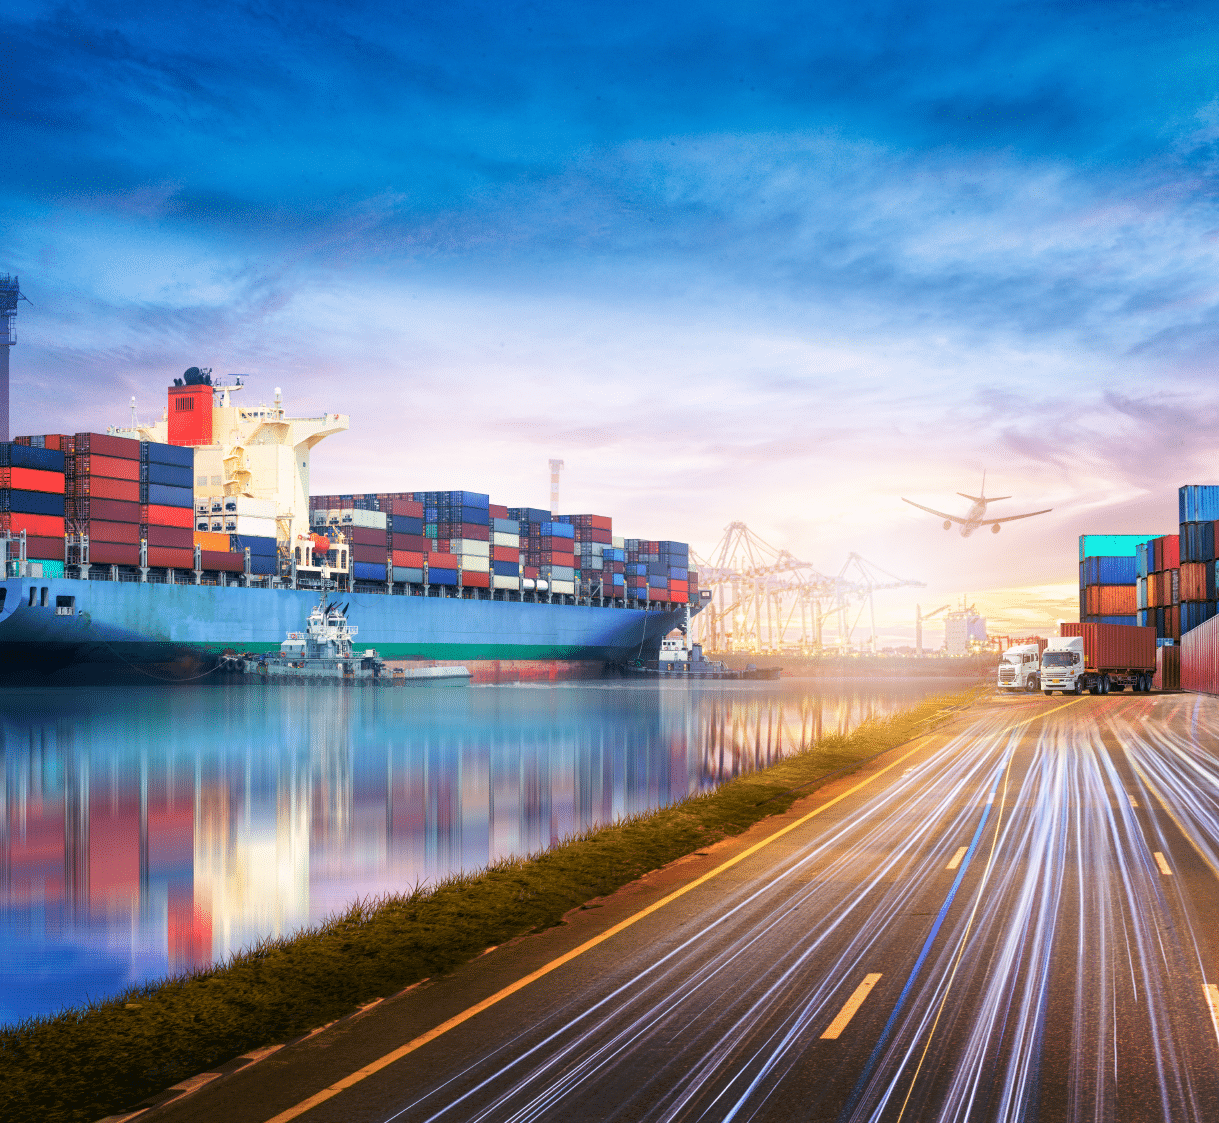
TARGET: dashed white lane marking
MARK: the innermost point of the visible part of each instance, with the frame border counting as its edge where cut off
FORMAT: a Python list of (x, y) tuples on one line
[(1212, 1000), (848, 1011), (956, 858), (1160, 861)]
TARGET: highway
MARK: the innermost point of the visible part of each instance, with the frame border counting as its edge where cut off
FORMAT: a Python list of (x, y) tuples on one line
[(1016, 918)]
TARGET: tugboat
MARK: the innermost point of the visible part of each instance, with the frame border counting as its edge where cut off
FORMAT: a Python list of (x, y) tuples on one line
[(324, 651)]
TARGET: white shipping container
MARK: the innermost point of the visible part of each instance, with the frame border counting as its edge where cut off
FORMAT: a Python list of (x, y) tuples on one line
[(474, 564), (591, 561), (498, 539), (370, 520), (568, 587), (249, 526), (469, 547), (246, 505), (498, 582), (618, 543), (203, 506), (319, 517)]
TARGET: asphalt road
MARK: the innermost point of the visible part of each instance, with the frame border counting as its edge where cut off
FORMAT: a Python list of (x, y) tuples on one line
[(1016, 918)]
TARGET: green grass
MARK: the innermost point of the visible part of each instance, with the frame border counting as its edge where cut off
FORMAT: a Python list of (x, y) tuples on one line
[(92, 1061)]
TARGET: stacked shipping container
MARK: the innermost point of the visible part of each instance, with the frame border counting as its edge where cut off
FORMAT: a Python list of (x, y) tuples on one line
[(1158, 568), (32, 499), (104, 497), (1198, 509), (1108, 591), (167, 476)]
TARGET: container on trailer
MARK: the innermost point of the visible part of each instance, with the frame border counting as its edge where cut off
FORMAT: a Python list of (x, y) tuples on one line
[(1114, 646)]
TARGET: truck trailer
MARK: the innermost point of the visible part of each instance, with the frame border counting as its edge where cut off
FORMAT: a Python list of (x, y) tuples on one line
[(1099, 658)]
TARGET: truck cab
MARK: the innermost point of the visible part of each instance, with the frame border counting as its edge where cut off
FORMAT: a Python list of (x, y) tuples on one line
[(1062, 665), (1020, 668)]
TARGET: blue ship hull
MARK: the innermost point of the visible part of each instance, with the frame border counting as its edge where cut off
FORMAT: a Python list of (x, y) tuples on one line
[(54, 623)]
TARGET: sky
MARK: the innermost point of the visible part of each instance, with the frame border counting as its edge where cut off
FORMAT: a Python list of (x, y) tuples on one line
[(781, 264)]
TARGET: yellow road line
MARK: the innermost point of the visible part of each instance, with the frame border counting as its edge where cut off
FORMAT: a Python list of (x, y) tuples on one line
[(409, 1047), (956, 858), (834, 1031), (1162, 863)]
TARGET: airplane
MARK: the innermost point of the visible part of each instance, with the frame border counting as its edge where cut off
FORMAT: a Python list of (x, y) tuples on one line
[(975, 518)]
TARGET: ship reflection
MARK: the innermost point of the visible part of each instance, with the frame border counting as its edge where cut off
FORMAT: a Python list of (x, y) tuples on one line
[(151, 831)]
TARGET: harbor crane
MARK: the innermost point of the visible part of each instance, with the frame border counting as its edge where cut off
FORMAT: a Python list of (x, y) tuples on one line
[(919, 620), (761, 595)]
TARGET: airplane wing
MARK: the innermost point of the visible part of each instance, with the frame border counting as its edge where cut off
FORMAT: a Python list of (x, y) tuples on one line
[(943, 514), (1013, 518)]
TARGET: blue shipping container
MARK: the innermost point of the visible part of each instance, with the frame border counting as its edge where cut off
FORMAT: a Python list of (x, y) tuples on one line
[(1112, 545), (263, 565), (32, 502), (656, 581), (1128, 621), (171, 474), (23, 456), (505, 526), (441, 576), (258, 547), (1141, 564), (369, 571), (1108, 571), (407, 524), (476, 515), (180, 455), (506, 568), (1194, 613), (405, 575), (558, 530), (677, 574), (1198, 503), (162, 495)]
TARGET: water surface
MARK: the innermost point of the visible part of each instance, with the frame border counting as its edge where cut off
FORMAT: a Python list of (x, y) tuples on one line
[(149, 830)]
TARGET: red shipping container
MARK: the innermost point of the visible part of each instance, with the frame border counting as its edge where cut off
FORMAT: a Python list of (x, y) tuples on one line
[(658, 594), (109, 467), (111, 510), (366, 536), (179, 537), (171, 557), (374, 555), (46, 526), (106, 445), (475, 580), (44, 549), (495, 511), (407, 507), (112, 532), (101, 487), (113, 553), (32, 479), (410, 559), (416, 542), (225, 563), (505, 553), (1172, 617), (1115, 646), (156, 515), (681, 587), (530, 571), (1104, 600), (444, 561), (472, 531), (1200, 657), (1172, 551)]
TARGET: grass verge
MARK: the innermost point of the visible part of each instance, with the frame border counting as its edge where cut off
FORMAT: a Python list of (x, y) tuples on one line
[(85, 1063)]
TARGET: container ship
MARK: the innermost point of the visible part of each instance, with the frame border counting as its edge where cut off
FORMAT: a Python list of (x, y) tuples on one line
[(173, 543)]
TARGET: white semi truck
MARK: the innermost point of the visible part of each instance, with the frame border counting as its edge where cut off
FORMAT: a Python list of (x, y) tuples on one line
[(1099, 658), (1020, 668)]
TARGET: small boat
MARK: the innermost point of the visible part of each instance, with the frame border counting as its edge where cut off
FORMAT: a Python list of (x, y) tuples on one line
[(324, 651), (679, 661)]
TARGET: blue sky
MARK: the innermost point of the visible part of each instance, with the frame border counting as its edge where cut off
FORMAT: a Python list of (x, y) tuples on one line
[(777, 263)]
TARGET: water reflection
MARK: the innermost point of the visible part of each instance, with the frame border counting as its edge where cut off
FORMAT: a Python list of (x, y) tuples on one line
[(148, 830)]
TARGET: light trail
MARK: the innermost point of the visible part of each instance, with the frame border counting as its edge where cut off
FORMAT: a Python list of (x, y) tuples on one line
[(1057, 977)]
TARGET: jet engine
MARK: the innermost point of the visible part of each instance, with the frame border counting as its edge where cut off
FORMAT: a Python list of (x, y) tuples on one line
[(994, 528), (947, 524)]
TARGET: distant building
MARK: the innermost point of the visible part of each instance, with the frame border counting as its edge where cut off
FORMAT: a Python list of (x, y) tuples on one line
[(963, 630)]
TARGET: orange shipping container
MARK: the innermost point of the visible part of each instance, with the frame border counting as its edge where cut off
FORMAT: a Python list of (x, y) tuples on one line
[(109, 467), (476, 580), (32, 479), (211, 541), (505, 553), (408, 558), (1110, 600), (155, 514), (444, 561), (1193, 580)]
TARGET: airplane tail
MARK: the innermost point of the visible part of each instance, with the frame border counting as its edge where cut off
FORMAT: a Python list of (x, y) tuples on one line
[(983, 497)]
